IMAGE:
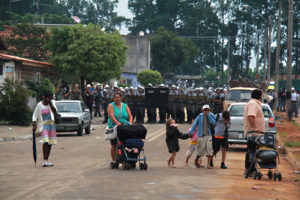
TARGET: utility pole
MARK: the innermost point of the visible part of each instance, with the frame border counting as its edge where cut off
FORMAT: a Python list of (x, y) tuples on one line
[(257, 55), (289, 47), (269, 51), (277, 52)]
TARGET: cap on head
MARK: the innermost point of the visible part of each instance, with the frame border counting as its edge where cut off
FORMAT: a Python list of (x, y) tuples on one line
[(205, 107), (88, 85), (293, 88)]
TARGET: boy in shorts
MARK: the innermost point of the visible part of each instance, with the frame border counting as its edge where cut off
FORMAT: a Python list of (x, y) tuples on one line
[(221, 135)]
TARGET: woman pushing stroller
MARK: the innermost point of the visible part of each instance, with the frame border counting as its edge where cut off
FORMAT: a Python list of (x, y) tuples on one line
[(118, 113)]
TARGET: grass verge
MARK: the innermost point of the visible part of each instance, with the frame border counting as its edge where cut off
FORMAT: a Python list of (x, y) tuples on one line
[(282, 134), (292, 144)]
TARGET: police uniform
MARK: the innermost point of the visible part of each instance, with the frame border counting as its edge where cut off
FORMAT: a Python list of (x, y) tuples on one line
[(140, 106)]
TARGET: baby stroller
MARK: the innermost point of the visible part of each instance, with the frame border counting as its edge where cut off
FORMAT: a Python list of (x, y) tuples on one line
[(261, 154), (130, 146)]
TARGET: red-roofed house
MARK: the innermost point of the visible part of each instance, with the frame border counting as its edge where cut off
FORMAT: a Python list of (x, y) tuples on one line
[(22, 68)]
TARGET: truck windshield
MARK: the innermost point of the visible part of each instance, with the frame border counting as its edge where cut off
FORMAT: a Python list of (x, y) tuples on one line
[(239, 95)]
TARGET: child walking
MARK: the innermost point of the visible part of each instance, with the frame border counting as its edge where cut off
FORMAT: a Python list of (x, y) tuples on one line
[(193, 147), (172, 136), (221, 135)]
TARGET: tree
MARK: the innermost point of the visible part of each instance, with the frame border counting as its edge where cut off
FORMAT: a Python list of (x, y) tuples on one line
[(38, 88), (28, 41), (149, 76), (170, 51), (13, 103), (86, 53)]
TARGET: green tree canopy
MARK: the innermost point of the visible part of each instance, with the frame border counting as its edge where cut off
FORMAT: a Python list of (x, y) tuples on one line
[(86, 53), (149, 76), (28, 41), (170, 51)]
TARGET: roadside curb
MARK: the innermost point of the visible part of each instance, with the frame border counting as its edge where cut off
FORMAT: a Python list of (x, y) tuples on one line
[(288, 155), (21, 138)]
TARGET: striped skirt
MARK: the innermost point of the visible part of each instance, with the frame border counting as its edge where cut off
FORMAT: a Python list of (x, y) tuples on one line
[(49, 133)]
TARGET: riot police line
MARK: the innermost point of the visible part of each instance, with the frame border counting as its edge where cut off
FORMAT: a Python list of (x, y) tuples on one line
[(160, 103)]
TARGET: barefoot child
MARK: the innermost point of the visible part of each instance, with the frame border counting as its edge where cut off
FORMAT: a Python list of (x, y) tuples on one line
[(172, 140), (192, 147)]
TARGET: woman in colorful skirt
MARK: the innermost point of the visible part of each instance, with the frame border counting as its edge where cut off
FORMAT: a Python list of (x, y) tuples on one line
[(44, 122)]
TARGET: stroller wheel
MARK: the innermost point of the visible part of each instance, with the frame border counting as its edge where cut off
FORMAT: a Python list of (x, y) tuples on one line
[(270, 174), (133, 165), (145, 166), (254, 175), (246, 174), (259, 175), (112, 165), (116, 165), (279, 176), (142, 166), (274, 176)]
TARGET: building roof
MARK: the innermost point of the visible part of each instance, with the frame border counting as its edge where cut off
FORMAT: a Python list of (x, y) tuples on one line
[(25, 61)]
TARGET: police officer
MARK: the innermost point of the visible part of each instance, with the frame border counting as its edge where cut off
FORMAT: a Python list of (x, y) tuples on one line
[(140, 105), (131, 102), (105, 101), (172, 101), (162, 110), (180, 106), (190, 106)]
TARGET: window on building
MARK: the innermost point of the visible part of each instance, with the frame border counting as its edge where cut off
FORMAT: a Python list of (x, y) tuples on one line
[(9, 69), (1, 70), (38, 76), (129, 82)]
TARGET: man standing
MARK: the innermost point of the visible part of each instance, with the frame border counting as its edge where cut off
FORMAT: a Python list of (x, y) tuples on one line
[(295, 100), (254, 119), (98, 101), (204, 121), (43, 121)]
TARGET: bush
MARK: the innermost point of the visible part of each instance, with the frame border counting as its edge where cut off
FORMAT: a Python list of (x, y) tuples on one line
[(38, 88), (149, 76), (13, 103)]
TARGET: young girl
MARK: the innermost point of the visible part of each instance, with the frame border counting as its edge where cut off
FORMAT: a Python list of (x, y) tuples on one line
[(172, 140), (193, 147)]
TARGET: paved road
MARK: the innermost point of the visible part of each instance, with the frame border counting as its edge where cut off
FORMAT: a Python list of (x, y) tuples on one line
[(82, 171)]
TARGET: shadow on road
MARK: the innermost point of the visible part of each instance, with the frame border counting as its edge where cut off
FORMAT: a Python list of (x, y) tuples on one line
[(66, 134)]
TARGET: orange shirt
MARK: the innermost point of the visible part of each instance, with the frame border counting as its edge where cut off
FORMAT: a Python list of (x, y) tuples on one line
[(253, 108)]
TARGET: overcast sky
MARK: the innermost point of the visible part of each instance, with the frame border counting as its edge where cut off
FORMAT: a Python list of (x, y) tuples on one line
[(123, 10)]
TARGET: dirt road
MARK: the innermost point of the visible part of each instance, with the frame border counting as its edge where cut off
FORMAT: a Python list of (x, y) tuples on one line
[(81, 171)]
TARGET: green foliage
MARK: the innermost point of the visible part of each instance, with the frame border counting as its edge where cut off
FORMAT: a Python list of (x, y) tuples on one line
[(149, 76), (28, 41), (87, 53), (38, 88), (13, 103), (170, 51)]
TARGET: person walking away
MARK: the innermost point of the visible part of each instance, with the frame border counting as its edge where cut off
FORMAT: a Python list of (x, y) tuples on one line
[(280, 99), (119, 113), (221, 135), (172, 136), (192, 147), (288, 105), (254, 119), (98, 100), (44, 122), (203, 122), (295, 100), (272, 102)]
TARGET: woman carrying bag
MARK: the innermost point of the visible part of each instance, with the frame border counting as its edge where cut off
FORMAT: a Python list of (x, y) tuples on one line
[(118, 113)]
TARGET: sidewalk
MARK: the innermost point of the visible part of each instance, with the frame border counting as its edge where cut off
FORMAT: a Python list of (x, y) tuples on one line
[(15, 133)]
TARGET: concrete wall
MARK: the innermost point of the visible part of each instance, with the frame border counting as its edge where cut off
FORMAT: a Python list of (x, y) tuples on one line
[(138, 53)]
